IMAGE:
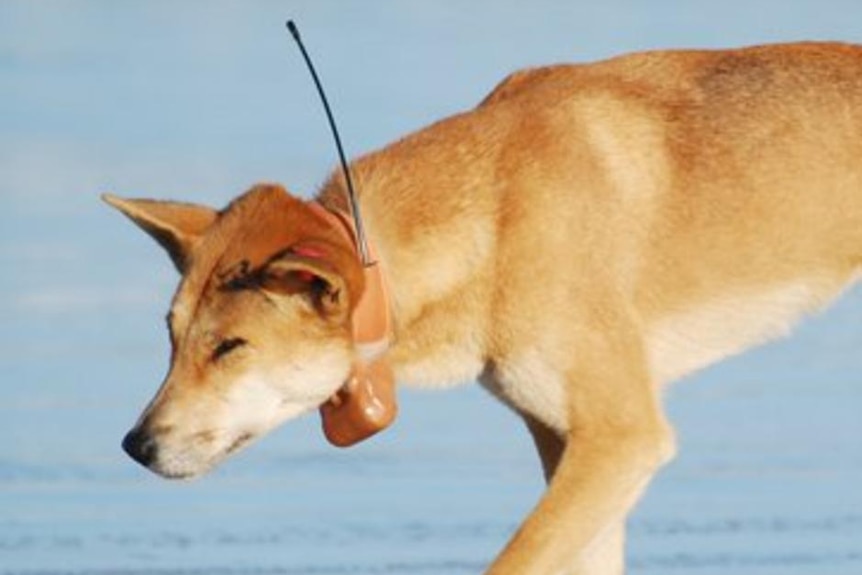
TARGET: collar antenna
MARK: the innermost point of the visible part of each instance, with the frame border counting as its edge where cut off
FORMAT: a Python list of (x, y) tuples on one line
[(362, 244)]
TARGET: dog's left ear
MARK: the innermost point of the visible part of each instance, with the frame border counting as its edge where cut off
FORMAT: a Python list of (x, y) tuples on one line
[(174, 225), (328, 289)]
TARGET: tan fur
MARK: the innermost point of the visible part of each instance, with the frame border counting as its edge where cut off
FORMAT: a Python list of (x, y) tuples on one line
[(586, 235)]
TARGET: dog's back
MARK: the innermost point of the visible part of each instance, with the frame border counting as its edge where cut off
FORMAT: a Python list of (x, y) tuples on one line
[(700, 182)]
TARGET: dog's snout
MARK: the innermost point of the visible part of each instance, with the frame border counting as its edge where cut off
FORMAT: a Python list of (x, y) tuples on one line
[(140, 446)]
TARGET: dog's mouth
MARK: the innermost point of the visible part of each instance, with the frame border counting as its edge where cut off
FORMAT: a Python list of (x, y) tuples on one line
[(187, 462), (177, 475), (184, 444), (239, 443)]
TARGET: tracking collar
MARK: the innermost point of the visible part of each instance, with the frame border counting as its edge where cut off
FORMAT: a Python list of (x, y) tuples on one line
[(365, 404)]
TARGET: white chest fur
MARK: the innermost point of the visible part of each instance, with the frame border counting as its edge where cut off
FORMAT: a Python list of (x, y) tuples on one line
[(530, 383)]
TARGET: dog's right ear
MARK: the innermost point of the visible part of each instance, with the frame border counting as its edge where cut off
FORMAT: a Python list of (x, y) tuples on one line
[(296, 272), (175, 226)]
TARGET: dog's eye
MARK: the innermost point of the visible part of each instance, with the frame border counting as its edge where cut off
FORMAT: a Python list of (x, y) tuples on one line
[(227, 346)]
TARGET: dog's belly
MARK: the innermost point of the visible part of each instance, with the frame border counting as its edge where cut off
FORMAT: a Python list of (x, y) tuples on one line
[(686, 341)]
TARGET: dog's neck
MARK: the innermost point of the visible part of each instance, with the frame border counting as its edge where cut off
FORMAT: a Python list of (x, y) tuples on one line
[(365, 404), (371, 318), (435, 238)]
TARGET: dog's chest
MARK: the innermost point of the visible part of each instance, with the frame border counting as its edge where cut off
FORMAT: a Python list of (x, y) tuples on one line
[(530, 383), (437, 362)]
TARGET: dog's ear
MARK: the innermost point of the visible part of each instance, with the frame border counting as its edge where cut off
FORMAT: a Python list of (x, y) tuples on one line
[(175, 226), (296, 273)]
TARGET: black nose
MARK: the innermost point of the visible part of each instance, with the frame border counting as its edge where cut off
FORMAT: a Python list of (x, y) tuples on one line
[(140, 446)]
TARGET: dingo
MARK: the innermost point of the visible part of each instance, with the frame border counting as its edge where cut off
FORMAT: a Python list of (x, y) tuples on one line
[(584, 236)]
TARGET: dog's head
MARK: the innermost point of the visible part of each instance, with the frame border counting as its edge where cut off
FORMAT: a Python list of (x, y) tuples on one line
[(259, 325)]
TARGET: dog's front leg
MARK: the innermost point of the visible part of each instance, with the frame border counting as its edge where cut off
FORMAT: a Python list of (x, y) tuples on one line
[(617, 440), (606, 554), (580, 516)]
